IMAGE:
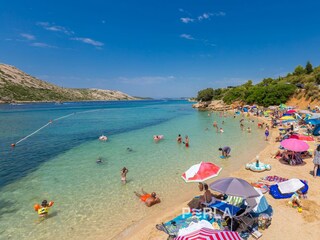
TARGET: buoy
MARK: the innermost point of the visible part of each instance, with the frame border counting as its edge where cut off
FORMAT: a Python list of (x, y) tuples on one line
[(36, 207)]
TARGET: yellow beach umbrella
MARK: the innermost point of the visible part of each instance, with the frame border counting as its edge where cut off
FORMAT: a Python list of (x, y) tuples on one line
[(287, 118)]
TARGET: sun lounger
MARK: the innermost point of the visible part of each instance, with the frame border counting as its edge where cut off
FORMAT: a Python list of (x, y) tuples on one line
[(225, 207), (236, 201)]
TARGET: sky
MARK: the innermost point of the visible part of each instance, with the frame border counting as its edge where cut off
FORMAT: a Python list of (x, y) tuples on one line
[(158, 49)]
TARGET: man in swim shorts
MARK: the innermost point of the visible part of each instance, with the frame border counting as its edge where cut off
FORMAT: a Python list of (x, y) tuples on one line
[(225, 151), (148, 199)]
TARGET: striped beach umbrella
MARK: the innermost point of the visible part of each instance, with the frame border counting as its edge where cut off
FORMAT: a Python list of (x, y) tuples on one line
[(210, 234)]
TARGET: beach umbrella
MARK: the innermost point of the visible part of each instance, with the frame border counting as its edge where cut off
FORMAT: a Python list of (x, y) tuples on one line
[(304, 111), (235, 187), (287, 118), (291, 111), (201, 172), (314, 116), (294, 145), (302, 137), (210, 234)]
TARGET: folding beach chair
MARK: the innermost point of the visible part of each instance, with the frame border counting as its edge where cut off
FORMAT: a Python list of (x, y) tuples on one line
[(162, 227)]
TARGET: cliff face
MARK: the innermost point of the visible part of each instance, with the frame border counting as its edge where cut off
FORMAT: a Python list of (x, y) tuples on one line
[(216, 105), (15, 85)]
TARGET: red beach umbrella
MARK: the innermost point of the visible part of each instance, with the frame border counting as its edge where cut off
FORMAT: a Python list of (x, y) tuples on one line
[(201, 172), (294, 145), (302, 137), (291, 111), (210, 234)]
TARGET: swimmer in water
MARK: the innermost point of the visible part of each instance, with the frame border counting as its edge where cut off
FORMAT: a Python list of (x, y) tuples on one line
[(179, 138), (129, 149), (99, 160), (221, 130)]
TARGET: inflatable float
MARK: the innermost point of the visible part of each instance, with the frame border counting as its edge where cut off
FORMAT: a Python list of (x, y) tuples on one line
[(258, 167), (275, 192), (103, 138), (157, 137)]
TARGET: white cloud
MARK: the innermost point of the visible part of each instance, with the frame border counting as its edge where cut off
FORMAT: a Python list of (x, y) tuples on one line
[(41, 45), (28, 36), (54, 28), (187, 36), (186, 20), (89, 41), (147, 80), (219, 14)]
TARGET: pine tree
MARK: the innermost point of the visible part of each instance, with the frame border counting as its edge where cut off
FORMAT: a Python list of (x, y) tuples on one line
[(309, 68)]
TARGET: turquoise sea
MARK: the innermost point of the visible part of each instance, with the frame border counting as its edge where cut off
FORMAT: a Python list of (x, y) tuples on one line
[(59, 162)]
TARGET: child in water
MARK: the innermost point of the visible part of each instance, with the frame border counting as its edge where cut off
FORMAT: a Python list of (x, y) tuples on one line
[(43, 209)]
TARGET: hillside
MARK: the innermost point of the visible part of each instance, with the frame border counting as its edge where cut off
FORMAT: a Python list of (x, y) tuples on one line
[(15, 85), (299, 87)]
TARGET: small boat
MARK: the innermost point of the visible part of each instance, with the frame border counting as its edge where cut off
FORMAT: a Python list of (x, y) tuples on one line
[(103, 138), (157, 137)]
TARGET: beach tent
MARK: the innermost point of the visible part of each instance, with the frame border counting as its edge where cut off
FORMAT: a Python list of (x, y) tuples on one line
[(209, 234), (201, 172), (313, 121), (316, 130), (262, 204)]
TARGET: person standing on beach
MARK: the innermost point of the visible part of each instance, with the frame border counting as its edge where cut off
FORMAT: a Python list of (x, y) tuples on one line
[(316, 160), (266, 133), (225, 151), (123, 173)]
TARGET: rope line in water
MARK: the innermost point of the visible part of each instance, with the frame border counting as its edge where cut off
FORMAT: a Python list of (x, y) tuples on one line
[(32, 133), (47, 124), (51, 121)]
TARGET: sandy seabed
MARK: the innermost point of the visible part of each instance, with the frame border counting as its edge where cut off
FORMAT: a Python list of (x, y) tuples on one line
[(287, 222)]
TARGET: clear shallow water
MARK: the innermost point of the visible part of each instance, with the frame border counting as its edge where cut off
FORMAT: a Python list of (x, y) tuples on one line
[(58, 163)]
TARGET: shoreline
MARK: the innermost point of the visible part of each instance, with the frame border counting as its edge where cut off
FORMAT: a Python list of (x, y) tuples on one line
[(285, 219), (144, 229)]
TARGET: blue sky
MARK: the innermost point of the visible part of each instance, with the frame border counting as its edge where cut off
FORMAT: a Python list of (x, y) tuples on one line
[(159, 48)]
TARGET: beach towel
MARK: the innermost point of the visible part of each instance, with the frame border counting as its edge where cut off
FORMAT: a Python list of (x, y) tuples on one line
[(275, 179), (290, 186)]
